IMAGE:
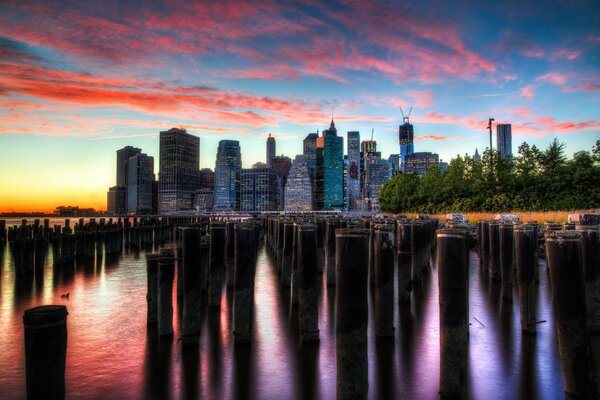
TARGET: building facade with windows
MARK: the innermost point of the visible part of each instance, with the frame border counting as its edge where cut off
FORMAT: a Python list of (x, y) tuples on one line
[(228, 168)]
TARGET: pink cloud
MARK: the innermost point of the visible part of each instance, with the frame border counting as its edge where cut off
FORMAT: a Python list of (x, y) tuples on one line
[(554, 78), (527, 92)]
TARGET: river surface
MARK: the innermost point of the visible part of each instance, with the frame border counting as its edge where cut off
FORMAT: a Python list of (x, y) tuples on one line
[(112, 355)]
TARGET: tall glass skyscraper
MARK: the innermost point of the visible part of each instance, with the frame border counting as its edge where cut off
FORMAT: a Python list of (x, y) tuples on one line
[(504, 139), (310, 149), (258, 191), (299, 191), (178, 171), (270, 150), (353, 172), (406, 138), (333, 169), (228, 167), (140, 180)]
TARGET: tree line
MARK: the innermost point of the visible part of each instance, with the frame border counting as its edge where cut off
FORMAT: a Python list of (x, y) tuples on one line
[(533, 180)]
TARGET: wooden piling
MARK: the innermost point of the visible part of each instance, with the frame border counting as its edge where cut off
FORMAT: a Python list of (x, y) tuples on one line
[(383, 262), (243, 291), (166, 274), (525, 241)]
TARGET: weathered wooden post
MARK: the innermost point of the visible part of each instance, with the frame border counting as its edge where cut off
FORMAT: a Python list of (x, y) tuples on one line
[(404, 262), (484, 245), (525, 241), (152, 290), (192, 287), (330, 227), (308, 292), (217, 264), (166, 274), (591, 269), (243, 292), (352, 274), (494, 239), (383, 261), (453, 270), (418, 250), (179, 268), (294, 280), (230, 251), (286, 265), (506, 260), (45, 351), (570, 313)]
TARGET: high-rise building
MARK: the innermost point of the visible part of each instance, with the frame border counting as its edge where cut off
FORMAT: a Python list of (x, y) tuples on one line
[(207, 179), (270, 149), (228, 167), (281, 167), (504, 139), (310, 149), (204, 199), (406, 139), (376, 177), (123, 156), (299, 191), (368, 146), (258, 190), (353, 170), (420, 162), (116, 200), (476, 156), (393, 164), (333, 169), (140, 179), (179, 173)]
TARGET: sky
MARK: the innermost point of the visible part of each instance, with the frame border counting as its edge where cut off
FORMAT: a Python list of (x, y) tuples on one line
[(81, 79)]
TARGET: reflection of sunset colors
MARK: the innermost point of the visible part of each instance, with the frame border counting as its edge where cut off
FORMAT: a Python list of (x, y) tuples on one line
[(79, 82)]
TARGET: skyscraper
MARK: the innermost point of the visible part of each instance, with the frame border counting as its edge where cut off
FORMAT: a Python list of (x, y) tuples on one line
[(258, 190), (420, 162), (393, 164), (333, 169), (228, 167), (281, 167), (504, 139), (118, 194), (353, 173), (179, 170), (406, 139), (299, 191), (140, 179), (310, 149), (270, 149)]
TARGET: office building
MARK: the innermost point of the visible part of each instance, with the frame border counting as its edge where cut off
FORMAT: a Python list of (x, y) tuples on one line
[(204, 199), (207, 179), (299, 191), (281, 167), (310, 149), (333, 169), (420, 162), (270, 149), (179, 170), (140, 181), (123, 156), (353, 170), (504, 139), (377, 174), (116, 200), (228, 168), (393, 164), (258, 190), (406, 139)]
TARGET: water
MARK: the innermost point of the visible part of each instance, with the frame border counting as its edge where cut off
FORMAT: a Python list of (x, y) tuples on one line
[(110, 354)]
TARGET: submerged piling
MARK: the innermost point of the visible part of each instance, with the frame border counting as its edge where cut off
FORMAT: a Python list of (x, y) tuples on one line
[(192, 287), (216, 264), (230, 252), (166, 273), (330, 227), (45, 331), (506, 260), (308, 292), (152, 289), (286, 264), (591, 270), (570, 315), (243, 292), (404, 262), (525, 242), (352, 274), (383, 261), (453, 270), (494, 246)]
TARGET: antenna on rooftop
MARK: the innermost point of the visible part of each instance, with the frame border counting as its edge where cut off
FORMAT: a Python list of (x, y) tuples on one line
[(405, 117)]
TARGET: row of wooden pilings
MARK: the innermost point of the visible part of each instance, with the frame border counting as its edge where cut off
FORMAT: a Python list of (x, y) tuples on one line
[(509, 252)]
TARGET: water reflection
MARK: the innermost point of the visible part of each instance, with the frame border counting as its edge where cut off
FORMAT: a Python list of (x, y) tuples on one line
[(110, 351)]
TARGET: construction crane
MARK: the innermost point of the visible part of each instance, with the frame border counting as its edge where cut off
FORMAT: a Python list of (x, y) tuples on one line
[(490, 129), (405, 117)]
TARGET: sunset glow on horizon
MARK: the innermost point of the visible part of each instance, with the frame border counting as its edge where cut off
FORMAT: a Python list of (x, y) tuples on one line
[(79, 80)]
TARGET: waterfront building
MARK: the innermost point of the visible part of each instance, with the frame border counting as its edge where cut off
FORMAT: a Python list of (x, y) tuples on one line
[(406, 139), (299, 191), (140, 182), (207, 179), (310, 149), (116, 200), (270, 149), (178, 171), (377, 176), (353, 170), (393, 164), (204, 199), (258, 190), (281, 167), (228, 167), (504, 139), (332, 169), (123, 156), (420, 162)]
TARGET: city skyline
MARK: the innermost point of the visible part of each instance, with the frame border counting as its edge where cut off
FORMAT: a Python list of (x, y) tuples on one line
[(79, 83)]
